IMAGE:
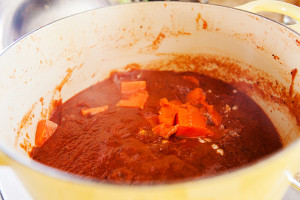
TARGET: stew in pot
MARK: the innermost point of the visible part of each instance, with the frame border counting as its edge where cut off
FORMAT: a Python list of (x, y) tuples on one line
[(149, 127)]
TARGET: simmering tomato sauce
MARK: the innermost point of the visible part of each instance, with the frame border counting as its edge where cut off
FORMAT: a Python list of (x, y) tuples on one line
[(149, 127)]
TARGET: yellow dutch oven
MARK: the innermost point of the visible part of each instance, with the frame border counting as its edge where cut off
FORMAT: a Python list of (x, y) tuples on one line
[(80, 50)]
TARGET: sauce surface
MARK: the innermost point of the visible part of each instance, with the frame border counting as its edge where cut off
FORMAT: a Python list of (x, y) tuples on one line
[(118, 145)]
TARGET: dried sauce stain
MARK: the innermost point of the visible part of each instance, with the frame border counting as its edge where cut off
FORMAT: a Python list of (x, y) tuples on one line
[(164, 33), (24, 123), (42, 101), (131, 66), (298, 42), (27, 118), (65, 79), (275, 57), (260, 48), (158, 40), (26, 145), (293, 73), (204, 23)]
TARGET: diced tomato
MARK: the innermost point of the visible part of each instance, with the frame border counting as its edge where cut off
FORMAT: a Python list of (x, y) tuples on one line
[(165, 130), (190, 117), (196, 96), (168, 111), (44, 131), (134, 100), (93, 111), (133, 87), (191, 79), (191, 122)]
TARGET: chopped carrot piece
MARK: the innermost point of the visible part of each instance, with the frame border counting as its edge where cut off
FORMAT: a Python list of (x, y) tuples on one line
[(132, 87), (191, 79), (190, 117), (191, 122), (164, 130), (93, 111), (196, 96), (134, 100), (168, 111), (44, 131)]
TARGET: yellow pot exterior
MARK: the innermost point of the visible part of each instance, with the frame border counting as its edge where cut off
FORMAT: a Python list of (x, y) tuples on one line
[(265, 180)]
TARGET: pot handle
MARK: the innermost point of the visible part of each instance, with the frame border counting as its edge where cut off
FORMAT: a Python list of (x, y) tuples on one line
[(274, 6)]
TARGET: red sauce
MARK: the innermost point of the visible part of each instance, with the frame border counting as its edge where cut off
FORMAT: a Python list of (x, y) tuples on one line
[(118, 145)]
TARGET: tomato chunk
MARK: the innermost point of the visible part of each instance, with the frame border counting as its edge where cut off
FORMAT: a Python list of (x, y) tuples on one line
[(168, 111), (44, 131), (190, 117), (134, 100), (191, 79), (132, 87), (191, 122), (165, 130), (93, 111), (134, 94), (196, 96)]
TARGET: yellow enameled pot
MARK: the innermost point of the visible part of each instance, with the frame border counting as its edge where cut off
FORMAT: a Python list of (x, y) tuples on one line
[(80, 50)]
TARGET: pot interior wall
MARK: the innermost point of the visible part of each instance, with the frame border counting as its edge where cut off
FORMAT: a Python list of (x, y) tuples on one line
[(65, 57)]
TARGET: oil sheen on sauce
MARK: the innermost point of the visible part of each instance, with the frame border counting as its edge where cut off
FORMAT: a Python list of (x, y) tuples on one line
[(118, 145)]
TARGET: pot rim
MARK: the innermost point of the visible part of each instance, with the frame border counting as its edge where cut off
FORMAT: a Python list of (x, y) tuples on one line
[(73, 178)]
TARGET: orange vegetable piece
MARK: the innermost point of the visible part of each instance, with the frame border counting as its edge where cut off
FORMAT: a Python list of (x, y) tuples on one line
[(191, 79), (93, 111), (133, 87), (165, 130), (44, 131), (168, 111), (191, 122), (190, 117), (134, 100), (196, 96)]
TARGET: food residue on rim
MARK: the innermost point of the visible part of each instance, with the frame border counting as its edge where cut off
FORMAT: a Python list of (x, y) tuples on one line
[(42, 101), (158, 40), (54, 103), (204, 23), (275, 57), (293, 73)]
